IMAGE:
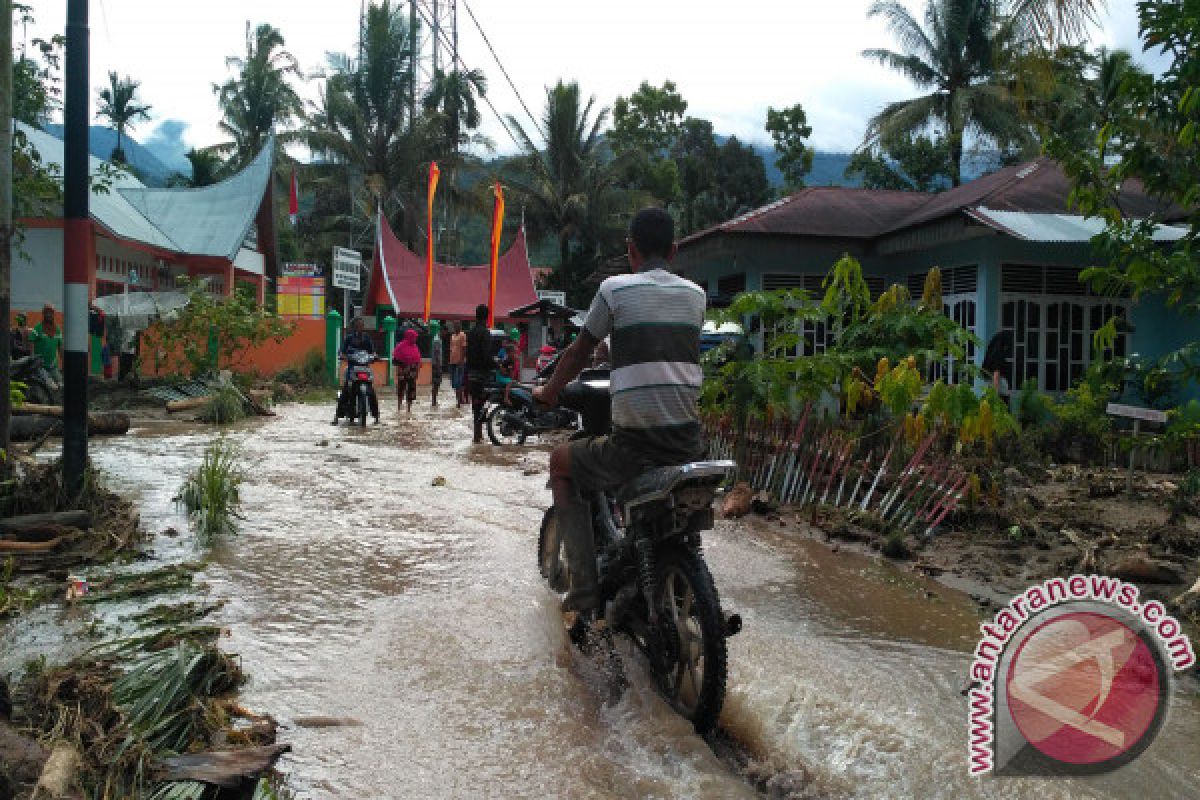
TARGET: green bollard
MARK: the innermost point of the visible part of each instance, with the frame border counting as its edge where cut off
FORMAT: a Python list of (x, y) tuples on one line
[(97, 352), (213, 355), (389, 338), (333, 340)]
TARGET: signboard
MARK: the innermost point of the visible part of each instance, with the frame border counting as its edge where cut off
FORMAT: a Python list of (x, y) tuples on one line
[(301, 270), (552, 296), (347, 266), (1136, 412)]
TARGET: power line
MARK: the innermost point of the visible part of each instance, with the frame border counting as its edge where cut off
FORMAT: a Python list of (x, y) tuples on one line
[(500, 64), (484, 97)]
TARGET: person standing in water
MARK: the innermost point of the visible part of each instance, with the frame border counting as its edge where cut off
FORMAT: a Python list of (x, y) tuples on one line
[(406, 357)]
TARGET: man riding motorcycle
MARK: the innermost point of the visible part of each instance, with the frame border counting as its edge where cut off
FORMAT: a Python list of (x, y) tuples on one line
[(356, 340), (654, 318)]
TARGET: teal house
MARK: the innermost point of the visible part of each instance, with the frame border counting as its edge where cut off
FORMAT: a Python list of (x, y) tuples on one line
[(1009, 249)]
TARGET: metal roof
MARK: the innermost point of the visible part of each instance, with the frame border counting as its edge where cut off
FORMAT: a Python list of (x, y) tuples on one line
[(1065, 228), (211, 221)]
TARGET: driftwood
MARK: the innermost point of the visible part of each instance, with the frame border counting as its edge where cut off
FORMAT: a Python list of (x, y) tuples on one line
[(49, 521), (224, 768), (47, 546), (37, 409), (30, 427), (188, 403)]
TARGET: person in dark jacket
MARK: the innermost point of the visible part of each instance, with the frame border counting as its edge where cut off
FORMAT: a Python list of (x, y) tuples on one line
[(481, 366), (357, 340)]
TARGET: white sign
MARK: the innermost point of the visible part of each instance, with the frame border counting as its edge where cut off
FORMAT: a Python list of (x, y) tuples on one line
[(1136, 412), (552, 296), (347, 264)]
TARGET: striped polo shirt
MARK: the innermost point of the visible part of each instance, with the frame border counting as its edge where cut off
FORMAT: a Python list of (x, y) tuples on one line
[(654, 318)]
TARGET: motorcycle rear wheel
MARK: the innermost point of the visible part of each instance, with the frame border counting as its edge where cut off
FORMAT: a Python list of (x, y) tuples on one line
[(503, 426), (692, 628), (362, 409)]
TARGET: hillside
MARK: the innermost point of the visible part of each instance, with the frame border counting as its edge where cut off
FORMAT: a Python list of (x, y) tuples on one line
[(101, 141)]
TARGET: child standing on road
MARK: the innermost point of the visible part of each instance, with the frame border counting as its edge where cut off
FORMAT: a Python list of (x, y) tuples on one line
[(435, 361)]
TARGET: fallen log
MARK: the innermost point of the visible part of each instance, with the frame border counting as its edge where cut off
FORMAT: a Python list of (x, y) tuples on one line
[(188, 403), (224, 768), (29, 409), (47, 546), (30, 427), (51, 520)]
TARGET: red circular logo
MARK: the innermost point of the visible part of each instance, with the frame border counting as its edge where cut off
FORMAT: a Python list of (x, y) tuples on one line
[(1083, 688)]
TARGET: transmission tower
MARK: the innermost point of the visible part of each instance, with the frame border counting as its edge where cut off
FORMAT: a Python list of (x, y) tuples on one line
[(437, 45)]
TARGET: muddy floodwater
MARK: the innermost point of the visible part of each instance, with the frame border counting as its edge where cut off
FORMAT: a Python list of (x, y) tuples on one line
[(401, 635)]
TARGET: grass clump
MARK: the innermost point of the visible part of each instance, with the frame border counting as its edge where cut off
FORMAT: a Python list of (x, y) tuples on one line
[(212, 493), (224, 407)]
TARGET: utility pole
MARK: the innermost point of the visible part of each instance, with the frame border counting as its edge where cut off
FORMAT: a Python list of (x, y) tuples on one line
[(437, 34), (6, 226), (76, 235)]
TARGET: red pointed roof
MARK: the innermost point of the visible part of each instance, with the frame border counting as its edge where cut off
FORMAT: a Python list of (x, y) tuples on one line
[(398, 280)]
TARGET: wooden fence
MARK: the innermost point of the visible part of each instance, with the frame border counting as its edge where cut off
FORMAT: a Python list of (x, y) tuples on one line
[(814, 461)]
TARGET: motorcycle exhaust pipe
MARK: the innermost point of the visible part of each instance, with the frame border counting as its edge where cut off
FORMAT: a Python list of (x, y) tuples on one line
[(733, 624)]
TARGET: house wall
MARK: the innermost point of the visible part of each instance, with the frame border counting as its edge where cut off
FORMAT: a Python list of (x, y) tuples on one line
[(1158, 330), (37, 269)]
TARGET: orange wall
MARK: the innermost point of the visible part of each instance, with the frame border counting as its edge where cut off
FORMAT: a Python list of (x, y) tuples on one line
[(266, 359)]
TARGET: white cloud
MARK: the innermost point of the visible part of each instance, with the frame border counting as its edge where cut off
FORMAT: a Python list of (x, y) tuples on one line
[(730, 61)]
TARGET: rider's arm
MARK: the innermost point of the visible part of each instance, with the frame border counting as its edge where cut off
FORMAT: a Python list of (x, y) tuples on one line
[(573, 360)]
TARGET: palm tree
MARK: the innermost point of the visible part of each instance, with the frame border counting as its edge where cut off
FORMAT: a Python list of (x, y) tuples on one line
[(362, 119), (569, 180), (1052, 21), (957, 55), (118, 105), (259, 99), (452, 98)]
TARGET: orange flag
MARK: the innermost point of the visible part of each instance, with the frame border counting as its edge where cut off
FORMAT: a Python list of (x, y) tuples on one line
[(497, 229), (434, 172)]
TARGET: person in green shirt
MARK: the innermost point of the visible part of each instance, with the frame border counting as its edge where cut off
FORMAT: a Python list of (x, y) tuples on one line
[(46, 338)]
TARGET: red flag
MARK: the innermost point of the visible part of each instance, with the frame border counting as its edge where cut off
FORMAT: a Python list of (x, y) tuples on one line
[(434, 172), (293, 199), (497, 229)]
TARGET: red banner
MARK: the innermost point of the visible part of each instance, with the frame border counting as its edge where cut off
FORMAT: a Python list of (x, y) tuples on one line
[(434, 172), (497, 230)]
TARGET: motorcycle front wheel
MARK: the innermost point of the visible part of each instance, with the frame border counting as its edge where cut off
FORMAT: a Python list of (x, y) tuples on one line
[(505, 426), (692, 669), (552, 562)]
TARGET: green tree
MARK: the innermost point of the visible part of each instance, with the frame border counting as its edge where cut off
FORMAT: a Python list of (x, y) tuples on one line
[(955, 56), (569, 183), (909, 163), (739, 183), (206, 169), (452, 99), (646, 126), (1154, 138), (260, 99), (790, 130), (695, 155), (35, 80), (119, 105)]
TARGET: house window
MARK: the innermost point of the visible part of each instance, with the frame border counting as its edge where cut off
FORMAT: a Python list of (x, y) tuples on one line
[(959, 303), (731, 285), (1052, 317)]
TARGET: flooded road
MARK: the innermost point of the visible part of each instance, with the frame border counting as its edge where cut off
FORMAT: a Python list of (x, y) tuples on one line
[(400, 633)]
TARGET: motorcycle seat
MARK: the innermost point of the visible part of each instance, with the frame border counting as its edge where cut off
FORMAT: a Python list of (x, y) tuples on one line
[(659, 482)]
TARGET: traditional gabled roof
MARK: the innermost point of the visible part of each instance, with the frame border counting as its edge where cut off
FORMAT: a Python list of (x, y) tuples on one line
[(1038, 187), (211, 221), (398, 280)]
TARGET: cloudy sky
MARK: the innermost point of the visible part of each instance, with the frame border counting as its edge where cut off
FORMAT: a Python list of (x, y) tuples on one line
[(730, 60)]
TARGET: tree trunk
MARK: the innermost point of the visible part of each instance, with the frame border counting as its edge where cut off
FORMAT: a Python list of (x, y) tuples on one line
[(6, 228), (954, 136)]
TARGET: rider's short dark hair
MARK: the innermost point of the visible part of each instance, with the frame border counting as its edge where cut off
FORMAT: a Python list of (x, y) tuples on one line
[(481, 312), (653, 232)]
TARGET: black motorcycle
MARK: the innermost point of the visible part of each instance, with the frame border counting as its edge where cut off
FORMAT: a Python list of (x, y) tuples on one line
[(40, 388), (357, 395), (654, 585), (513, 416)]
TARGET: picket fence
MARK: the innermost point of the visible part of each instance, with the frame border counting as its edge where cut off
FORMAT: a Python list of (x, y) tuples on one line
[(814, 461)]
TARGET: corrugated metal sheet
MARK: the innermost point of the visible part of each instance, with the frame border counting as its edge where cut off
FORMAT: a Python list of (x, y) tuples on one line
[(211, 221), (1063, 228), (110, 209)]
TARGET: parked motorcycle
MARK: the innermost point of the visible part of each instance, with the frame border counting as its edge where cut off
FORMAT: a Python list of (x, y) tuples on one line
[(513, 416), (654, 585), (40, 388), (357, 395)]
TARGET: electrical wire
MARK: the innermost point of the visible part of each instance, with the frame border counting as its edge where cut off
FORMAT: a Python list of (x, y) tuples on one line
[(503, 71)]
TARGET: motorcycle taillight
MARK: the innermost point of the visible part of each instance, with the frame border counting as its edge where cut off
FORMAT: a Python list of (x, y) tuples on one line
[(363, 376)]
